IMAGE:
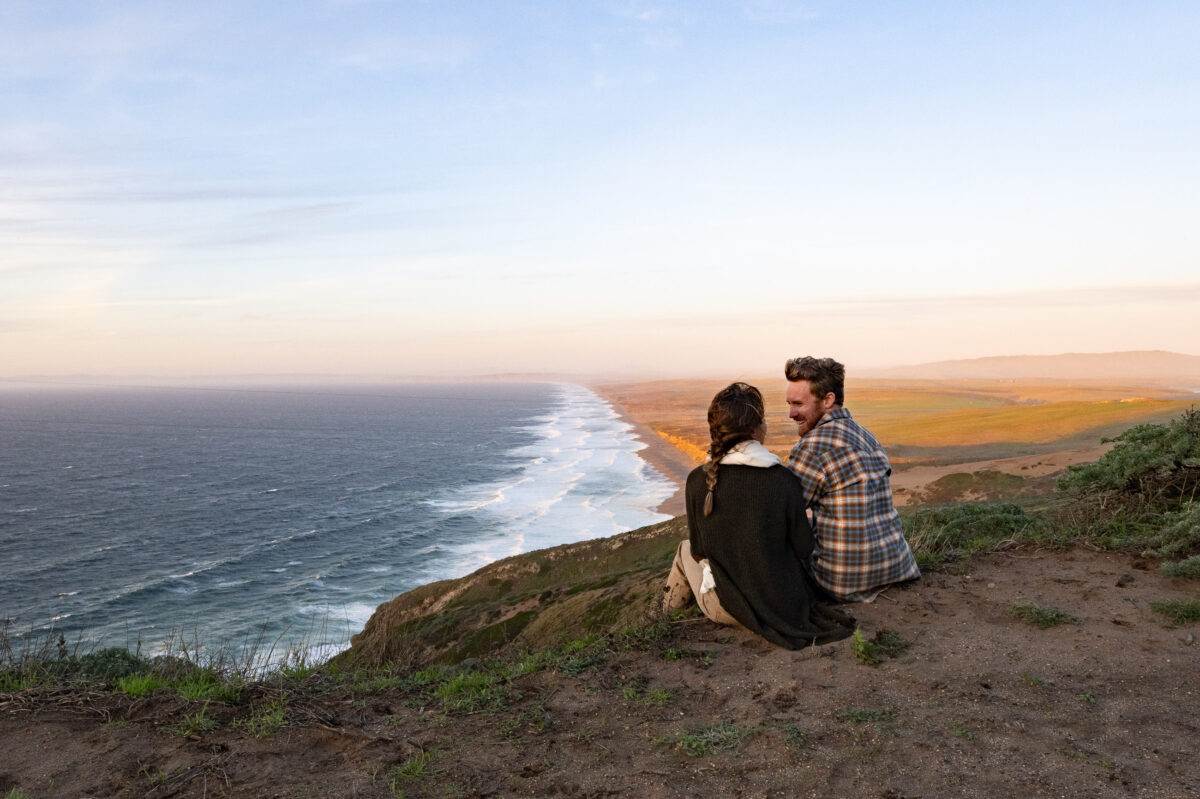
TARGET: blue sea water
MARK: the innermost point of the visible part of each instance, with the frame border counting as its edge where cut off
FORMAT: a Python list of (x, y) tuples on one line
[(134, 517)]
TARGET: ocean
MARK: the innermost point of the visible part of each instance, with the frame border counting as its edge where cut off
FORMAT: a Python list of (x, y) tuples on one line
[(140, 517)]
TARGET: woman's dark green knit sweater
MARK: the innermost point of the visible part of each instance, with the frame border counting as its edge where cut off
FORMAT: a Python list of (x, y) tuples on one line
[(757, 541)]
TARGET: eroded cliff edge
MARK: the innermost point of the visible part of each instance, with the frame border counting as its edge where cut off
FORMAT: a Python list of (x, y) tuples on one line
[(529, 601)]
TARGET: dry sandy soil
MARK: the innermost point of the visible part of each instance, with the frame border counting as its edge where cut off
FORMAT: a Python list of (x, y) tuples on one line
[(981, 704)]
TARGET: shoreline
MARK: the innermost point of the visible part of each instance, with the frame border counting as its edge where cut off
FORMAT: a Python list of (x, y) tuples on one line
[(671, 462)]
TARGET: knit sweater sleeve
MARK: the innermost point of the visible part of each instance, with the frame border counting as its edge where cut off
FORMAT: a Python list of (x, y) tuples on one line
[(800, 536), (694, 493)]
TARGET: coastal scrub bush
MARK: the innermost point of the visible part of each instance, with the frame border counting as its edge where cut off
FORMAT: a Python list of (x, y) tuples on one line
[(1149, 463), (111, 664), (943, 533), (1186, 568), (1178, 533)]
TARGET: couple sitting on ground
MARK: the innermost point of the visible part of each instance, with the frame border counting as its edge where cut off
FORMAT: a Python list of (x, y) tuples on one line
[(752, 558)]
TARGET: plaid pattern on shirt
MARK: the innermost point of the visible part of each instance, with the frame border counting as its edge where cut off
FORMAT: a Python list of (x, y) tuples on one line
[(844, 472)]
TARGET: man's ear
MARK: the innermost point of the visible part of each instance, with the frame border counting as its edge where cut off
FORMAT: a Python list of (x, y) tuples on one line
[(829, 401)]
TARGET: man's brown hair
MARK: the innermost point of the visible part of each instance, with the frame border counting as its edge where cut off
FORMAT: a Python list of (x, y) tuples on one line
[(823, 375)]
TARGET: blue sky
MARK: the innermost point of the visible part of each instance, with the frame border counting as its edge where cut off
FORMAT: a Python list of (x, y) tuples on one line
[(389, 188)]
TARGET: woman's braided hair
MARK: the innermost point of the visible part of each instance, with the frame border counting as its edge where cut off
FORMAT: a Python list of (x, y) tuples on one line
[(733, 417)]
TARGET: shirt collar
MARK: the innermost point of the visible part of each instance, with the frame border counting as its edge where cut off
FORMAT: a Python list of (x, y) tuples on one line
[(836, 413)]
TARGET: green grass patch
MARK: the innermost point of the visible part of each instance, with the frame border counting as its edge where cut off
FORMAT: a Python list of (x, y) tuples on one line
[(1041, 617), (944, 533), (194, 724), (533, 718), (984, 485), (471, 690), (885, 643), (208, 683), (576, 657), (1178, 611), (265, 720), (139, 685), (12, 681), (859, 716), (794, 735), (705, 741), (416, 767)]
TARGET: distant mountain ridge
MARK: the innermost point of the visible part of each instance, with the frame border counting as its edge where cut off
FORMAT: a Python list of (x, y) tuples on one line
[(1153, 365)]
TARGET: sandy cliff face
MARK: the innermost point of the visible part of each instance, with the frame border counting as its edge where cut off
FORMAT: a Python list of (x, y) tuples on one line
[(527, 601)]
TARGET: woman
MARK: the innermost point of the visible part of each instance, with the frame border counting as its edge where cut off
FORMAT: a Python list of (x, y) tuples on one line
[(748, 535)]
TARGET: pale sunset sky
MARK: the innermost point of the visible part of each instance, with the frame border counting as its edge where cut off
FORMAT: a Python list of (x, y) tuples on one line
[(421, 187)]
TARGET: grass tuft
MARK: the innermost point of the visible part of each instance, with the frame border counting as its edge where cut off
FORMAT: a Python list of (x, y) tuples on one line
[(195, 723), (139, 685), (265, 720), (702, 742), (1041, 617), (945, 533), (885, 643), (857, 716), (1178, 611)]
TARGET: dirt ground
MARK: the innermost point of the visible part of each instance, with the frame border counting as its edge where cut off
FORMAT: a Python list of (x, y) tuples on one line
[(907, 483), (981, 704)]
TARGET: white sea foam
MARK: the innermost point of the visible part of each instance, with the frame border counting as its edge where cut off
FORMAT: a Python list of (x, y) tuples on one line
[(354, 613), (581, 478)]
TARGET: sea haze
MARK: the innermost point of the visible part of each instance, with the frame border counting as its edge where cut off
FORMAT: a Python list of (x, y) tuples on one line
[(231, 516)]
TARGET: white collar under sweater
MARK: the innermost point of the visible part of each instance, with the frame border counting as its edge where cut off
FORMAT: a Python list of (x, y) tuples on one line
[(750, 453)]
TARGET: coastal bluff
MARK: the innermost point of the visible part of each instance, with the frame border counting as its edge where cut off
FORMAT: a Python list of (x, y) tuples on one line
[(528, 601), (553, 691)]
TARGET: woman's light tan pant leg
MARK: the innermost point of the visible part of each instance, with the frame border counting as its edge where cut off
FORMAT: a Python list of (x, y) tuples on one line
[(693, 572)]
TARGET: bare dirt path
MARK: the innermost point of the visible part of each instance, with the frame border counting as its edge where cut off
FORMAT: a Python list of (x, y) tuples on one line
[(907, 483)]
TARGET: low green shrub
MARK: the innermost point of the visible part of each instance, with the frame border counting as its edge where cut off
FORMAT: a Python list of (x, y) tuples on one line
[(1147, 464), (1187, 568), (1178, 533), (111, 664), (1178, 611)]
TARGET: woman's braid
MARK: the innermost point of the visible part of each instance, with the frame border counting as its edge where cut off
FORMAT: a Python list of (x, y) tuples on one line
[(733, 416)]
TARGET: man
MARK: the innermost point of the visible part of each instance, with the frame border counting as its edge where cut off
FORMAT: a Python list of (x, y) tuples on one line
[(860, 547)]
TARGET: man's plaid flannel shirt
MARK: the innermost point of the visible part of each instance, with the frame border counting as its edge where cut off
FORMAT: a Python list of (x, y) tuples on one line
[(860, 546)]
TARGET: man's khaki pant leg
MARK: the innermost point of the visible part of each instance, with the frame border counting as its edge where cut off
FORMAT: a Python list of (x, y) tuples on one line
[(693, 572)]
